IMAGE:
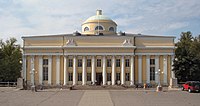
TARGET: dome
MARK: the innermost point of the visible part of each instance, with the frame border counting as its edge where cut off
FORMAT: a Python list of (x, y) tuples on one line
[(99, 24)]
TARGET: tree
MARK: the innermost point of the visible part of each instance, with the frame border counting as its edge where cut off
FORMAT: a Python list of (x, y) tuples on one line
[(186, 63), (10, 57)]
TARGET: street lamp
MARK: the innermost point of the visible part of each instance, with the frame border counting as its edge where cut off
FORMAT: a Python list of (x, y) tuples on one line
[(159, 87)]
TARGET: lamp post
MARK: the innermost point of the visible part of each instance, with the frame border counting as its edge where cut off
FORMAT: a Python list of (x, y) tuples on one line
[(159, 87)]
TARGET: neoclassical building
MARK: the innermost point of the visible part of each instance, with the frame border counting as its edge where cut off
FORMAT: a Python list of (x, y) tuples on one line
[(98, 55)]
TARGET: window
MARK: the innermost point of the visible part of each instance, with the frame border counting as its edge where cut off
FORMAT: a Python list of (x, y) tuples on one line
[(79, 62), (127, 77), (45, 69), (88, 62), (98, 62), (152, 73), (88, 76), (152, 61), (45, 73), (70, 76), (127, 62), (70, 63), (86, 29), (117, 76), (99, 28), (117, 62), (79, 76), (45, 61), (111, 29), (108, 76), (108, 62)]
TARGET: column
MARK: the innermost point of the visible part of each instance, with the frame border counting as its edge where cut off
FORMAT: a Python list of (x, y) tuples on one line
[(172, 63), (58, 70), (84, 73), (93, 70), (40, 70), (24, 67), (65, 71), (122, 70), (32, 70), (165, 70), (49, 69), (74, 71), (139, 69), (104, 70), (113, 71), (156, 68), (147, 69), (132, 71)]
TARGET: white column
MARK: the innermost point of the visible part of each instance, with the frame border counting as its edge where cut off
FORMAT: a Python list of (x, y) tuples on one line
[(58, 70), (139, 69), (156, 68), (147, 69), (24, 67), (74, 71), (113, 70), (122, 70), (132, 71), (65, 71), (172, 63), (93, 70), (49, 69), (32, 68), (165, 70), (84, 73), (40, 70), (104, 70)]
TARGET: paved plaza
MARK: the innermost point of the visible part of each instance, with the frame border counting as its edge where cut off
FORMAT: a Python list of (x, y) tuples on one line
[(129, 97)]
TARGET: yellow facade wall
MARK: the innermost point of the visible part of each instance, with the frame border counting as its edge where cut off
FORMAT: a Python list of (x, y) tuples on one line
[(161, 67), (144, 69), (136, 69)]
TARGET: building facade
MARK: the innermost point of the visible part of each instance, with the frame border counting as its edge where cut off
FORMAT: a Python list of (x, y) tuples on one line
[(98, 55)]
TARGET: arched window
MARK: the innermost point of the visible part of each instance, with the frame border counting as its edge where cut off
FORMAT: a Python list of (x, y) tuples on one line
[(86, 29), (99, 28), (111, 29)]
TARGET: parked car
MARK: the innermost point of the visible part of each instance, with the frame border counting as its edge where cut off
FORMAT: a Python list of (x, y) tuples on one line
[(191, 86)]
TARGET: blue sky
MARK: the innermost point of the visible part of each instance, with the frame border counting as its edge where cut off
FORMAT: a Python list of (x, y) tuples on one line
[(154, 17)]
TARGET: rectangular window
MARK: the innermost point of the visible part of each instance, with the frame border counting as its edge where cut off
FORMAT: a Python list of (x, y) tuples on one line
[(108, 62), (127, 77), (88, 62), (45, 69), (127, 62), (45, 61), (70, 63), (70, 76), (79, 76), (79, 62), (108, 76), (118, 76), (45, 73), (98, 62), (152, 61), (117, 62), (88, 76), (152, 73)]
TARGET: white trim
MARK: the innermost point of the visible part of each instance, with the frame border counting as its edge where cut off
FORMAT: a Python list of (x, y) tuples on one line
[(65, 71), (74, 71), (94, 54), (42, 54), (148, 69), (84, 73), (165, 69), (24, 67), (155, 47), (58, 70), (132, 71), (122, 70), (104, 70), (99, 46), (139, 69), (32, 74), (93, 70), (43, 47), (49, 69), (156, 67), (113, 71), (40, 70), (171, 53)]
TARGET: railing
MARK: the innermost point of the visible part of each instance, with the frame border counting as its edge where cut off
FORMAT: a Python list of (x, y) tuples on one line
[(8, 84)]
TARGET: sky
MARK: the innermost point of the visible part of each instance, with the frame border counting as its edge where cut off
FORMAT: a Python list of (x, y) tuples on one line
[(150, 17)]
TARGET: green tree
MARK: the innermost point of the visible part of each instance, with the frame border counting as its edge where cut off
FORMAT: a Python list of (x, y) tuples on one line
[(186, 63), (10, 57)]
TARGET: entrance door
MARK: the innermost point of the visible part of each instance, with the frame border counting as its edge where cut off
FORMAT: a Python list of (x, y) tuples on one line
[(98, 78)]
